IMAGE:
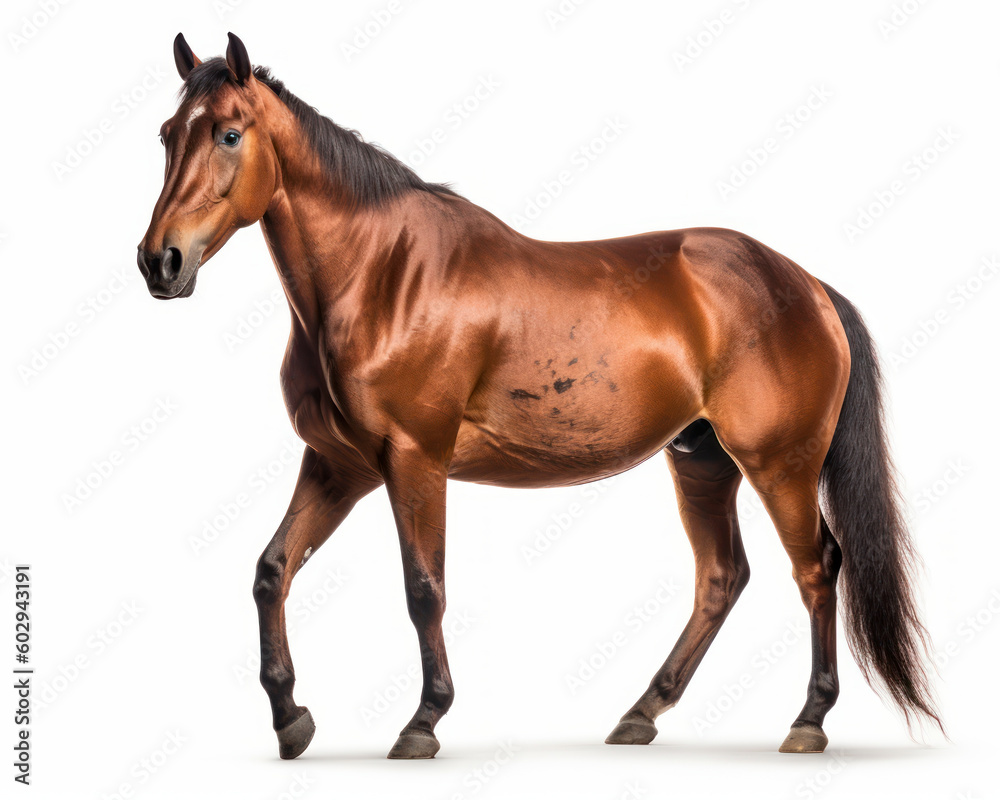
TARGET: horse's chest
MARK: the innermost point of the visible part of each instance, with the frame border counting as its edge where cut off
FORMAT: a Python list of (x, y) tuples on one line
[(314, 414), (306, 411)]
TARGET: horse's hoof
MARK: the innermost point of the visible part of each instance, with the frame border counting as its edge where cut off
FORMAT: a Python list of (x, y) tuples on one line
[(415, 744), (632, 731), (804, 739), (293, 739)]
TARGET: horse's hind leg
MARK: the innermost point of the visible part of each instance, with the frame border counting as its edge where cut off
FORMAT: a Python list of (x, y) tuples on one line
[(323, 497), (786, 477), (706, 480), (788, 486)]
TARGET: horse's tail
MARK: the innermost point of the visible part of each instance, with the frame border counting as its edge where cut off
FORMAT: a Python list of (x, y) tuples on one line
[(861, 502)]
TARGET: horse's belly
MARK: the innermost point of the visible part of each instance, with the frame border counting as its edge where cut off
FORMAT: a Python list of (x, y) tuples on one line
[(482, 456), (578, 429)]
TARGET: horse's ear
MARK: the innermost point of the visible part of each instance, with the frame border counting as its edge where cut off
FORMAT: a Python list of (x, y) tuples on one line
[(184, 58), (237, 58)]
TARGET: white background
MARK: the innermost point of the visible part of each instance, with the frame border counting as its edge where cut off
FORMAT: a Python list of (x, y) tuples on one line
[(141, 640)]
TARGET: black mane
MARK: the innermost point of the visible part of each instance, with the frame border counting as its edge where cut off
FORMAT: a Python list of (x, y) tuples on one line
[(372, 174)]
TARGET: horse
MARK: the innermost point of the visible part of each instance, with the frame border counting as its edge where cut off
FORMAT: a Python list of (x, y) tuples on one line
[(429, 340)]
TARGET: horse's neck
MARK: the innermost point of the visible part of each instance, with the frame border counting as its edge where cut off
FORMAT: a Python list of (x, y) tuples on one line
[(318, 249), (313, 233), (328, 253)]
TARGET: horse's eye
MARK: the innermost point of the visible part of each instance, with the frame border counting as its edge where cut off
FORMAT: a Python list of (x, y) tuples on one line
[(231, 138), (160, 137)]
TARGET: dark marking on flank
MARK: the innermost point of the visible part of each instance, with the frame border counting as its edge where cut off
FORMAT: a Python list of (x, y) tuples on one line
[(564, 384), (548, 363), (555, 412), (546, 388), (553, 373), (571, 363), (572, 335), (523, 394), (601, 361), (613, 386), (590, 378)]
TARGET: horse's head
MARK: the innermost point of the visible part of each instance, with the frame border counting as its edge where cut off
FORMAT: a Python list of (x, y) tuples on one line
[(221, 168)]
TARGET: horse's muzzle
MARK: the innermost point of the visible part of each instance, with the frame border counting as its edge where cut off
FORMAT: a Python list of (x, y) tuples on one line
[(166, 273)]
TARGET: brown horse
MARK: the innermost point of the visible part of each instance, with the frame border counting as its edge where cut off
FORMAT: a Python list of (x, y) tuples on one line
[(429, 340)]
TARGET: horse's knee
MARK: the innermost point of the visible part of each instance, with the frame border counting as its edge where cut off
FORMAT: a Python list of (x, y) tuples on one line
[(424, 599), (267, 585)]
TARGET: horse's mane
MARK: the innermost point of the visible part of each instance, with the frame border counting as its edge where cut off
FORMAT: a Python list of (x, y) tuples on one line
[(372, 174)]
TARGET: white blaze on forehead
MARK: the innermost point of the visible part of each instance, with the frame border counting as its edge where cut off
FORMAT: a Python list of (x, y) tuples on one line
[(194, 115)]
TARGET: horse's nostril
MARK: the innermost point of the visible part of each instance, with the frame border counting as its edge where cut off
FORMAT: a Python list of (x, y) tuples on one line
[(172, 263), (144, 265)]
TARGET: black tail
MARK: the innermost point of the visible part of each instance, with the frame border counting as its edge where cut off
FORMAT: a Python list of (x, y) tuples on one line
[(862, 506)]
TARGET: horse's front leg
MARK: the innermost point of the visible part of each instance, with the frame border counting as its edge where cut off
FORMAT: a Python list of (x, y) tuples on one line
[(416, 480), (324, 495)]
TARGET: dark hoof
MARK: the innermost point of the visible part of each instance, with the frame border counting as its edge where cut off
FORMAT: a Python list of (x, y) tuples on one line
[(804, 739), (632, 731), (294, 739), (415, 744)]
